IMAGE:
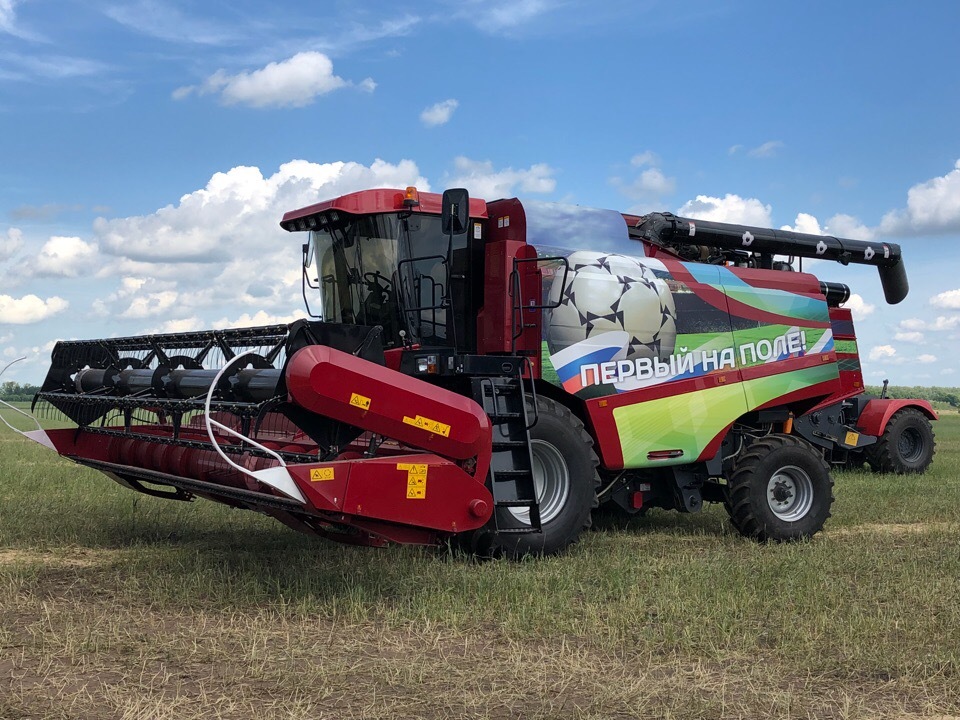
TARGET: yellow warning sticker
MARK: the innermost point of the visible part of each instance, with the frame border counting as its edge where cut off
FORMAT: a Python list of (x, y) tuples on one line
[(851, 438), (427, 424), (416, 480), (360, 401), (318, 474)]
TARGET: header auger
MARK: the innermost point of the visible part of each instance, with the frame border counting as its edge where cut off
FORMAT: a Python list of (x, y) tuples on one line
[(487, 373)]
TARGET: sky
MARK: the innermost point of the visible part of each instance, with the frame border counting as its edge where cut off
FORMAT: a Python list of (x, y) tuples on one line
[(149, 148)]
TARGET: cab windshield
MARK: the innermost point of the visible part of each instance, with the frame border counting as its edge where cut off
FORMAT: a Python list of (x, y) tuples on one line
[(384, 270)]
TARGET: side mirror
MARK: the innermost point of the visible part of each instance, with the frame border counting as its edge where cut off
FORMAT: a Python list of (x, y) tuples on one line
[(456, 211), (309, 249)]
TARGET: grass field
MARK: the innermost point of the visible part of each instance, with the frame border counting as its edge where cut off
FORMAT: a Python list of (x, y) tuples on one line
[(117, 605)]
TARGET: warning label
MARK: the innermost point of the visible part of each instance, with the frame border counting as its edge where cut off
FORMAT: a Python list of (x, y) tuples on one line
[(318, 474), (360, 401), (416, 480), (429, 425)]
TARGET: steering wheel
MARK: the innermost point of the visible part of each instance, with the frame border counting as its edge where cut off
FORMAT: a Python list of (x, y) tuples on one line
[(378, 282)]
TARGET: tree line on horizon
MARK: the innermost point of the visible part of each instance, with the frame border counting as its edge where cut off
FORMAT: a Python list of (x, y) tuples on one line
[(13, 391)]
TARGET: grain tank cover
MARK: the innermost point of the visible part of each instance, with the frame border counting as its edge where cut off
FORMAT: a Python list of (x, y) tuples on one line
[(555, 226)]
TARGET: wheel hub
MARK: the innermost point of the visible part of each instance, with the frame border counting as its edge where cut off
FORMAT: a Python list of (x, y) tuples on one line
[(790, 493), (909, 445)]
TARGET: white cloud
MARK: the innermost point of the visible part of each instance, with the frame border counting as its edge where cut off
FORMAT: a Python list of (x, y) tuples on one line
[(12, 243), (340, 40), (182, 325), (439, 114), (164, 21), (804, 223), (650, 186), (882, 352), (859, 307), (645, 158), (150, 305), (913, 324), (945, 323), (734, 149), (9, 25), (7, 15), (768, 149), (497, 15), (932, 207), (29, 309), (909, 336), (927, 359), (260, 318), (239, 208), (653, 181), (949, 300), (221, 246), (730, 208), (847, 226), (64, 257), (940, 323), (483, 181), (840, 225), (295, 82)]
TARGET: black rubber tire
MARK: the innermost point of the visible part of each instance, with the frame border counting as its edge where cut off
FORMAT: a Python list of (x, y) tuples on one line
[(906, 446), (557, 428), (785, 462)]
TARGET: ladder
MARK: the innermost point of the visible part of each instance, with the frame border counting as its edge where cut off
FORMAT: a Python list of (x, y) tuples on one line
[(511, 466)]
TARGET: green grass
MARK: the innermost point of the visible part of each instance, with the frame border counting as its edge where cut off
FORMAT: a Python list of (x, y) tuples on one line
[(114, 604)]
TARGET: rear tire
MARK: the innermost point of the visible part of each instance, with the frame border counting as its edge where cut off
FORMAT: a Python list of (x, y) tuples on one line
[(906, 446), (566, 479), (780, 490)]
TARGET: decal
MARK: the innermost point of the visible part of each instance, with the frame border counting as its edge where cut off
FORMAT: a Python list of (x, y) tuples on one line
[(321, 474), (851, 438), (693, 229), (747, 239), (427, 424), (416, 480), (360, 401), (821, 247), (868, 253)]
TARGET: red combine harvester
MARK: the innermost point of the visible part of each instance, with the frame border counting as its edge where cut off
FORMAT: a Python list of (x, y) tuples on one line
[(486, 373)]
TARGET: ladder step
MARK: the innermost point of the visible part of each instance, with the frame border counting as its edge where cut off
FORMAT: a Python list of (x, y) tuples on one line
[(508, 444), (516, 503), (518, 531), (513, 474)]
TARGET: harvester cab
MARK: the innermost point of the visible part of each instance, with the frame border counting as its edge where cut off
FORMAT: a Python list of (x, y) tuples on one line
[(487, 373)]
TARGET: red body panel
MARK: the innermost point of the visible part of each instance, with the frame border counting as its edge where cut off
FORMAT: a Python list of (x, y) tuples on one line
[(379, 201), (848, 362), (877, 413), (422, 490), (347, 388)]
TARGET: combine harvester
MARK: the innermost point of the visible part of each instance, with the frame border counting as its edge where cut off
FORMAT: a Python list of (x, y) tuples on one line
[(479, 378)]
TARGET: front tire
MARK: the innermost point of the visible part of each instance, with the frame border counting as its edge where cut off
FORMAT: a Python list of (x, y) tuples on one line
[(566, 481), (906, 446), (780, 490)]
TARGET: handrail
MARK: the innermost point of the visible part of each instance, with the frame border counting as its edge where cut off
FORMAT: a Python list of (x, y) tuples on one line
[(16, 409)]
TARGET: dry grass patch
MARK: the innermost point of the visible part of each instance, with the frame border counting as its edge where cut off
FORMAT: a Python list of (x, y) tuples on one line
[(114, 605)]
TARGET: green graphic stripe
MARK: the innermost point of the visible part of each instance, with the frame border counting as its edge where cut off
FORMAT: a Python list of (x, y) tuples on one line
[(689, 422), (847, 347), (779, 301)]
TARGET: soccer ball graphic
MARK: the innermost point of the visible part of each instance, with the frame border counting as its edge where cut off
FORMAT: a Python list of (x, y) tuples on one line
[(608, 292)]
